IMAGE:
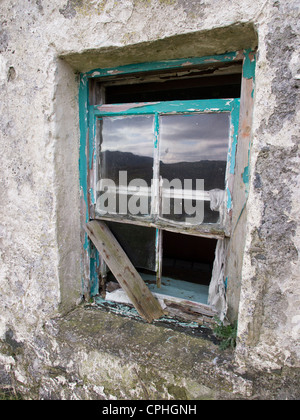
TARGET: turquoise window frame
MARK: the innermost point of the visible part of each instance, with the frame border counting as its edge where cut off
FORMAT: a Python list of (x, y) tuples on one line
[(88, 114), (170, 108)]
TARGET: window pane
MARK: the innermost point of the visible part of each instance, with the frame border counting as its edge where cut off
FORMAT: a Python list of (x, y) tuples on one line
[(192, 147), (126, 165), (138, 242)]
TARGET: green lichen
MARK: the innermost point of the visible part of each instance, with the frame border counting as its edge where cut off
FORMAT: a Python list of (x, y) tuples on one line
[(142, 2), (90, 7), (168, 2), (148, 2), (178, 392), (128, 37)]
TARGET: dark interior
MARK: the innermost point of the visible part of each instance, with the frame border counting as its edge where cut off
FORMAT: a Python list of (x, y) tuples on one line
[(185, 257), (213, 87), (188, 258)]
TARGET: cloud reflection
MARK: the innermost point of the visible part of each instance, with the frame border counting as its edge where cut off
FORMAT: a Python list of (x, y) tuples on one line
[(129, 134), (192, 138), (183, 138)]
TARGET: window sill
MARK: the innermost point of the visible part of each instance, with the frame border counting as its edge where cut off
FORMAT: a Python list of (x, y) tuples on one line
[(123, 358), (177, 311)]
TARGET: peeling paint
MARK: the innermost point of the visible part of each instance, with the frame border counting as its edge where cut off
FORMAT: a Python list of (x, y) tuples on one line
[(235, 128), (249, 65), (168, 107), (123, 108), (156, 130), (83, 123), (111, 72), (156, 108), (229, 199), (187, 63), (163, 65)]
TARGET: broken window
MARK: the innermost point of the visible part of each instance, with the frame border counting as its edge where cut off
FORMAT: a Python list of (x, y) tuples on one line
[(160, 186), (193, 147), (125, 165), (164, 160)]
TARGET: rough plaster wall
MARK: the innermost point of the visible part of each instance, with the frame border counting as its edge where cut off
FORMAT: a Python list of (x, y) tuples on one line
[(66, 118), (37, 111), (269, 319), (29, 255)]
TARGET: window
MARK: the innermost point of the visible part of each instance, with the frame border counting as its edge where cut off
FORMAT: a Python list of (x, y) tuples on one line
[(162, 162), (158, 168)]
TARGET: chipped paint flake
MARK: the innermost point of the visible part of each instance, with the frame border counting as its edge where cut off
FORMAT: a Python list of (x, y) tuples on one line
[(187, 63), (114, 72), (249, 65), (229, 200), (124, 107)]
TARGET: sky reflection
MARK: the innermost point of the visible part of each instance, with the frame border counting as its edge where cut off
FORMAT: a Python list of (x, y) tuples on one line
[(192, 138), (128, 134), (183, 138)]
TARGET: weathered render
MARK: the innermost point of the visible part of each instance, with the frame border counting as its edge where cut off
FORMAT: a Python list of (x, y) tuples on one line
[(51, 344)]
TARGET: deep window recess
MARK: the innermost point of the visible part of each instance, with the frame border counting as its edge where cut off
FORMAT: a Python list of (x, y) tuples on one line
[(164, 162), (163, 144)]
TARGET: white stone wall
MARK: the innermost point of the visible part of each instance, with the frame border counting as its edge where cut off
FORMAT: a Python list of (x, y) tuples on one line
[(42, 46)]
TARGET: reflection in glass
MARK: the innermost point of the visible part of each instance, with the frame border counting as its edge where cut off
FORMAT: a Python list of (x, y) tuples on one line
[(126, 155), (193, 146)]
